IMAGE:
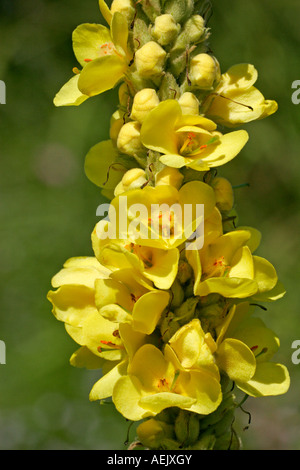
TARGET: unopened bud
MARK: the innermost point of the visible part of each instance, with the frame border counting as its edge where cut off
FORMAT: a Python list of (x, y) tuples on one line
[(177, 294), (185, 271), (206, 442), (169, 176), (187, 427), (129, 140), (165, 29), (189, 103), (179, 9), (191, 33), (150, 59), (133, 178), (126, 7), (123, 95), (144, 101), (116, 122), (224, 193), (168, 326), (152, 433), (204, 71)]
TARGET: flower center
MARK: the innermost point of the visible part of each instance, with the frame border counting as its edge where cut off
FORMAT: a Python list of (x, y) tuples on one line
[(163, 223), (219, 268), (195, 143), (142, 252)]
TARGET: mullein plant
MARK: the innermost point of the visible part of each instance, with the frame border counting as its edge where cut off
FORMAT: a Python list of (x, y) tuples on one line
[(176, 333)]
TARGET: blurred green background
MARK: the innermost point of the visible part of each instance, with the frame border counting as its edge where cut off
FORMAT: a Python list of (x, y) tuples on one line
[(48, 207)]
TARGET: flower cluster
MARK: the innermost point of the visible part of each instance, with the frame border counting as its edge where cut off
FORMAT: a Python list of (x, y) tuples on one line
[(171, 324)]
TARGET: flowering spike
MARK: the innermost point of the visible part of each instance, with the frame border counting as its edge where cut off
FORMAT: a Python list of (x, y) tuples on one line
[(165, 304)]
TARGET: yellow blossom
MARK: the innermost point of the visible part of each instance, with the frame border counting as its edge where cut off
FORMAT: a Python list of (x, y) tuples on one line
[(103, 56), (235, 100), (188, 140)]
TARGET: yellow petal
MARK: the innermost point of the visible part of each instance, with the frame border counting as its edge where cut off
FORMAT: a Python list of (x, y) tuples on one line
[(101, 74), (148, 309), (87, 39), (264, 274), (69, 94), (157, 132), (236, 359), (270, 379), (119, 31), (229, 146), (103, 388)]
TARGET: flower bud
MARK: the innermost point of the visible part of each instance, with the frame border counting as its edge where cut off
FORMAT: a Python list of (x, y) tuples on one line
[(187, 427), (153, 432), (144, 101), (204, 71), (224, 193), (129, 140), (126, 7), (123, 94), (165, 29), (150, 59), (206, 442), (133, 178), (192, 31), (185, 272), (189, 103), (179, 9), (169, 176), (168, 326), (177, 294), (116, 122)]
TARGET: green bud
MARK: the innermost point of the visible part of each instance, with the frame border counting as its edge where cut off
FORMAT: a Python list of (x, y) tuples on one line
[(206, 442), (169, 88), (186, 311), (185, 271), (187, 427), (177, 294), (152, 433), (230, 220), (141, 34), (168, 326), (179, 9), (152, 9)]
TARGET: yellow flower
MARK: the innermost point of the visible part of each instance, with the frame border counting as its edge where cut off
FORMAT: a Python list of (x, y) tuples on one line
[(227, 267), (235, 100), (103, 56), (105, 167), (151, 266), (194, 348), (245, 347), (121, 299), (156, 381), (166, 218), (188, 140)]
